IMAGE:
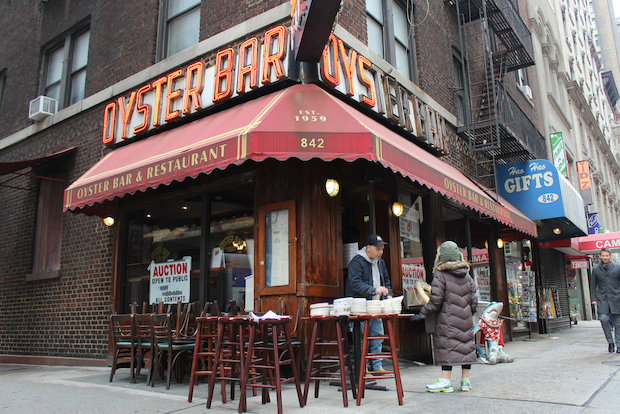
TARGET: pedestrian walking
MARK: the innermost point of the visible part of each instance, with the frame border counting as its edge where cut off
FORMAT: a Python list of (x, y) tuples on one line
[(453, 300), (605, 293)]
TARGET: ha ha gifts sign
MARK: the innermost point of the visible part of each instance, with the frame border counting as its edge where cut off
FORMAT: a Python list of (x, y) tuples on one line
[(169, 282)]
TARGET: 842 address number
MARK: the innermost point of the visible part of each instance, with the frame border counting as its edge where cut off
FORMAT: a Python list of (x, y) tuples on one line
[(312, 143)]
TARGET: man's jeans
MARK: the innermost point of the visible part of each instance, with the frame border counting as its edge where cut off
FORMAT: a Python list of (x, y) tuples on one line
[(375, 345)]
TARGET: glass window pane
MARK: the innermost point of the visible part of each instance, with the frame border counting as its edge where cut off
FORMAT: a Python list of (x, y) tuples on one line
[(276, 248), (401, 26), (78, 85), (183, 32), (231, 246), (80, 51), (375, 9), (176, 7), (54, 66), (53, 91), (402, 59), (168, 231), (375, 37)]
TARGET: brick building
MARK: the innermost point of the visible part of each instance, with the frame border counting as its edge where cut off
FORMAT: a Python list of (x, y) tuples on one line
[(159, 125)]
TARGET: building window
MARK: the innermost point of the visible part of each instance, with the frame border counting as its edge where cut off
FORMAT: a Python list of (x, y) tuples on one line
[(181, 25), (65, 69), (389, 25), (460, 97), (2, 86)]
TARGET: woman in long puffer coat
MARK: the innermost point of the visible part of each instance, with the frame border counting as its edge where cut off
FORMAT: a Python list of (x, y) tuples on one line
[(453, 299)]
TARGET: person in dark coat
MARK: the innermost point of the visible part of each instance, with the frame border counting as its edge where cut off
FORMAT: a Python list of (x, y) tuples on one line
[(605, 293), (453, 301), (368, 277)]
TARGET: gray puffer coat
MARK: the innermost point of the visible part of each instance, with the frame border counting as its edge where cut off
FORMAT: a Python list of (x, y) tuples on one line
[(453, 300)]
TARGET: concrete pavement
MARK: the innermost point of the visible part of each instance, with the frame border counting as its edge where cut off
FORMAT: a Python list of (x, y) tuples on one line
[(566, 372)]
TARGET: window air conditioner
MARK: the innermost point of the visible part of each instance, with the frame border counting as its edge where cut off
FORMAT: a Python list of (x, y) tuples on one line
[(41, 107)]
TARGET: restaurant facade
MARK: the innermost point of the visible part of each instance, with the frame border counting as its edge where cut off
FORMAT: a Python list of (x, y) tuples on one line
[(232, 171)]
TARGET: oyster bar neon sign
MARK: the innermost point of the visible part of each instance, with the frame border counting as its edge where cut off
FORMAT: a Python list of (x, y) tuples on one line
[(351, 73), (189, 89)]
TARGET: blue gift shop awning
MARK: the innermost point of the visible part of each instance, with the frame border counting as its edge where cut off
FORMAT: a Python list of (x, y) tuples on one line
[(537, 189)]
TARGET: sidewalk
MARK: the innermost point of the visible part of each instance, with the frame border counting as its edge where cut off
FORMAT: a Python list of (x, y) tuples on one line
[(566, 372)]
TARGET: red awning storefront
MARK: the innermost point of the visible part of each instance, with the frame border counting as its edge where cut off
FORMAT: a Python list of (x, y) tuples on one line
[(302, 121), (591, 244)]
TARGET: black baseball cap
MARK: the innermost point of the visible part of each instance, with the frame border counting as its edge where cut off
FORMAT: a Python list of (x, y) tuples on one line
[(375, 240)]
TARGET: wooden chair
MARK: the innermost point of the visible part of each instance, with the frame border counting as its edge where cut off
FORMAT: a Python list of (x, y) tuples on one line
[(145, 346), (163, 345), (124, 342), (204, 352)]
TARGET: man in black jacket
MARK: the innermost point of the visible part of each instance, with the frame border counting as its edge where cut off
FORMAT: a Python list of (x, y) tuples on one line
[(605, 293), (368, 278)]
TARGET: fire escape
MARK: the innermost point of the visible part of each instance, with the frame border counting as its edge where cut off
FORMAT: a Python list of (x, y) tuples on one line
[(495, 41)]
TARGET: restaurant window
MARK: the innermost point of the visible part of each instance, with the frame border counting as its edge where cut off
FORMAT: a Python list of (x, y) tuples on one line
[(64, 69), (231, 246), (219, 223), (389, 25), (2, 86), (48, 227), (412, 258), (180, 25), (157, 234)]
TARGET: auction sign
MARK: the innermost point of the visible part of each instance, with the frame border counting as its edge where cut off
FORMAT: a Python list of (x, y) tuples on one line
[(170, 281)]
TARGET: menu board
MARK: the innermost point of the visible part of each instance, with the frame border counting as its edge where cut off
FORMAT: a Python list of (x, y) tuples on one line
[(276, 248)]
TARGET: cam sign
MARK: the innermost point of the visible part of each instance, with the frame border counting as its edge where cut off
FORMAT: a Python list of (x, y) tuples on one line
[(169, 281)]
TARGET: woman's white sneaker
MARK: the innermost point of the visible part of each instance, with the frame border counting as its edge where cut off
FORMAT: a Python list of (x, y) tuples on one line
[(465, 384), (441, 385)]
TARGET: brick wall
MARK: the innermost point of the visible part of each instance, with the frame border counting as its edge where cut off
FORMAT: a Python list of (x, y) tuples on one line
[(67, 316)]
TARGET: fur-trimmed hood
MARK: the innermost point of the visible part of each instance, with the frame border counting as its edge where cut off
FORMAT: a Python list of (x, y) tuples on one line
[(452, 267)]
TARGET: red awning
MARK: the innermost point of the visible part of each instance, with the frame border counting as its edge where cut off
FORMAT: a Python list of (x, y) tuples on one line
[(11, 167), (302, 121), (591, 244), (595, 242)]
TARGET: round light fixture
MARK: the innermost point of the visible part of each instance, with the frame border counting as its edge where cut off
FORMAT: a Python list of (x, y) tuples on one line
[(500, 243), (108, 221), (397, 209), (557, 230), (332, 187)]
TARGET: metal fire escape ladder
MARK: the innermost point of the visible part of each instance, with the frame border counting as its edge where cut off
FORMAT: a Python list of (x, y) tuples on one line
[(494, 41)]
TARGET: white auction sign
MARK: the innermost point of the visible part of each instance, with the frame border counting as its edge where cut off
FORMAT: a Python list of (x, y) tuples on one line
[(170, 281)]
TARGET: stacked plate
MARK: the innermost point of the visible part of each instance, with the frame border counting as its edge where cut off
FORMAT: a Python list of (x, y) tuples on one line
[(373, 307), (358, 306), (319, 309), (342, 306)]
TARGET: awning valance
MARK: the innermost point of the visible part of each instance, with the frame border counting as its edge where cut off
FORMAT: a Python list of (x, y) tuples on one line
[(302, 121)]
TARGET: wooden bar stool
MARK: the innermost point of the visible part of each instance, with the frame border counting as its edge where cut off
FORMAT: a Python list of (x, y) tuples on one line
[(395, 373), (263, 360), (204, 350), (320, 366), (229, 358)]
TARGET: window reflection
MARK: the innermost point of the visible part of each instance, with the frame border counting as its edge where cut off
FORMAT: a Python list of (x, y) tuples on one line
[(161, 233)]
